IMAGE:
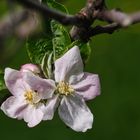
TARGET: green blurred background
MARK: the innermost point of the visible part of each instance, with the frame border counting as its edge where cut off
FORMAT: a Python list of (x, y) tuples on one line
[(117, 111)]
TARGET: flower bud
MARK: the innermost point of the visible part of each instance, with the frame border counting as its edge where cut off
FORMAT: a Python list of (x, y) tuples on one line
[(30, 67)]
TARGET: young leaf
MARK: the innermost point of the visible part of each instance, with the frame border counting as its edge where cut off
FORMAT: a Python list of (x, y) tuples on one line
[(37, 49), (56, 5), (46, 65), (56, 39), (61, 39), (62, 36), (85, 52)]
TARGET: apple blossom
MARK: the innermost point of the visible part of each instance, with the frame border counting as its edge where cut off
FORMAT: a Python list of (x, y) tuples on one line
[(73, 87), (28, 91)]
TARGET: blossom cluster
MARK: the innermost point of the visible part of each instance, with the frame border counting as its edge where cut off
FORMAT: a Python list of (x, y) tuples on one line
[(35, 98)]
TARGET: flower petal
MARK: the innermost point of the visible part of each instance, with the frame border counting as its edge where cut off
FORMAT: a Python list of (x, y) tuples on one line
[(75, 113), (50, 108), (33, 115), (14, 82), (69, 67), (44, 87), (14, 107), (89, 86)]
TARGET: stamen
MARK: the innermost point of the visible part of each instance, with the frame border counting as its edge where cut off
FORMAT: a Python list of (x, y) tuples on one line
[(32, 97), (65, 88), (28, 96)]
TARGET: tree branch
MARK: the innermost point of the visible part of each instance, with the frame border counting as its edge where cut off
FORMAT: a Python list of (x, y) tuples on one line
[(109, 29), (52, 13), (119, 17), (82, 22)]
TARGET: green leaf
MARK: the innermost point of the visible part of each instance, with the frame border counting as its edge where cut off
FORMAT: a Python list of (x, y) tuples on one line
[(61, 39), (46, 65), (85, 52), (56, 5), (2, 83), (38, 48), (62, 36), (55, 39)]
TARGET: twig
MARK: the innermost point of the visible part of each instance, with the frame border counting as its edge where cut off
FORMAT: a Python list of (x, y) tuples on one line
[(82, 22), (51, 13), (109, 29), (119, 17)]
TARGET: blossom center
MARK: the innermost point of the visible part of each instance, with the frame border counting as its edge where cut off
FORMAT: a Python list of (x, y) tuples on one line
[(65, 88), (32, 97)]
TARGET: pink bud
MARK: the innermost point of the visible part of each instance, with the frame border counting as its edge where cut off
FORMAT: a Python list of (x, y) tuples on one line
[(30, 67)]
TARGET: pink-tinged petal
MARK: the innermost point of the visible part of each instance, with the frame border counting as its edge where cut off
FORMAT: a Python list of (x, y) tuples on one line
[(50, 107), (44, 87), (88, 87), (69, 68), (75, 113), (30, 68), (14, 82), (33, 115), (14, 107)]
